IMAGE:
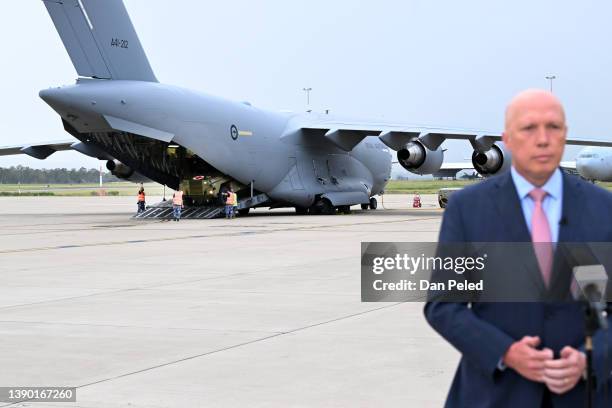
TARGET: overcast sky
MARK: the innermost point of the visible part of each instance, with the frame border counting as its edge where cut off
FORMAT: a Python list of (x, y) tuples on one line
[(446, 63)]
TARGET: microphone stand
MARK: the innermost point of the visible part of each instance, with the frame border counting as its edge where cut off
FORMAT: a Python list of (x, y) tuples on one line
[(592, 323)]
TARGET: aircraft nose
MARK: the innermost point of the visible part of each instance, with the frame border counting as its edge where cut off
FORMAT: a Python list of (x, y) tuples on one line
[(585, 168)]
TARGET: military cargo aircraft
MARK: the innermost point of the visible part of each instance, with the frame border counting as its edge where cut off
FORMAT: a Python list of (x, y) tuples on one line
[(118, 111)]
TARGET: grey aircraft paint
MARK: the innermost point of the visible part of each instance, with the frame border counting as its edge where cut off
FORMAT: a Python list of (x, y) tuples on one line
[(595, 163)]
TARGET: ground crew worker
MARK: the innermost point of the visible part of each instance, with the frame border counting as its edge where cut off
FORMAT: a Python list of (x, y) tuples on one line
[(141, 200), (235, 209), (416, 202), (229, 204), (177, 205)]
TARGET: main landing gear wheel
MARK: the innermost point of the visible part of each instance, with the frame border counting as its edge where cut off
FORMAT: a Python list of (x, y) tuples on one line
[(301, 210), (244, 211), (365, 206), (323, 207), (344, 209), (373, 203)]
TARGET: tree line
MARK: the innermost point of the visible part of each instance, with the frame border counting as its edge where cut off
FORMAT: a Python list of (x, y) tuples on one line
[(27, 175)]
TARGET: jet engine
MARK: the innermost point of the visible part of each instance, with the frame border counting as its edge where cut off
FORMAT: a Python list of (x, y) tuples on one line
[(417, 158), (493, 161), (124, 172)]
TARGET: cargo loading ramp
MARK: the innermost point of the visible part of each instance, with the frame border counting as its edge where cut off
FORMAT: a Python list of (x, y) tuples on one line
[(163, 210)]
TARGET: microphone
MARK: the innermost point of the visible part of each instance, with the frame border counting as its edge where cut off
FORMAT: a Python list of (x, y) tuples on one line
[(590, 282)]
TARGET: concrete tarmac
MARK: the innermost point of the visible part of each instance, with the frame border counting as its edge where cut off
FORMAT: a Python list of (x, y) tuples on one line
[(260, 311)]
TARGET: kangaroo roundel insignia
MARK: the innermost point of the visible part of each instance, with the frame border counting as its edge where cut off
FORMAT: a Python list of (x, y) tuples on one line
[(234, 132)]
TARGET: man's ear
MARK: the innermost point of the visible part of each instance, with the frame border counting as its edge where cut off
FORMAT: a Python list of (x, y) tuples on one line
[(505, 138)]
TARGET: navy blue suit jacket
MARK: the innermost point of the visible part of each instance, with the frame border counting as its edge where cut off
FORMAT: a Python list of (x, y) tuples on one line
[(490, 211)]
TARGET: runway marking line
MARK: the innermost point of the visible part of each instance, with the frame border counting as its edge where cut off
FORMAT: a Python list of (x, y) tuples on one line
[(235, 234)]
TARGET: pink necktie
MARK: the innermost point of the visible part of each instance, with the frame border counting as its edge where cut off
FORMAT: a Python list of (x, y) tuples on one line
[(540, 235)]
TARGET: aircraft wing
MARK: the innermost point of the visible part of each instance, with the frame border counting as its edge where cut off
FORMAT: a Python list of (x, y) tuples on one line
[(38, 150), (347, 135), (568, 165)]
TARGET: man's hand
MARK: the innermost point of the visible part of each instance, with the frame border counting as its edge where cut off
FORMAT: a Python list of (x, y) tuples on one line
[(563, 374), (523, 357)]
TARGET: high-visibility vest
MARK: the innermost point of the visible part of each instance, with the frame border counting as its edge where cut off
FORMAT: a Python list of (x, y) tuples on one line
[(141, 196), (178, 198), (230, 199), (235, 199)]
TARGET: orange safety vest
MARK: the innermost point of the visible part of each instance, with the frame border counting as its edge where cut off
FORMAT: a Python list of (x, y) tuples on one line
[(141, 197), (230, 199), (178, 198)]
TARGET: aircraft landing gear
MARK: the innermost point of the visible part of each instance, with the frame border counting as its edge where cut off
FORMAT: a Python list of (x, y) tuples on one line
[(344, 209), (301, 210), (372, 206), (244, 212), (323, 207)]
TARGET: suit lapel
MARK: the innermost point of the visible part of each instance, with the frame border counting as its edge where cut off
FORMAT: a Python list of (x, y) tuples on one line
[(572, 211), (511, 214), (569, 231), (509, 211)]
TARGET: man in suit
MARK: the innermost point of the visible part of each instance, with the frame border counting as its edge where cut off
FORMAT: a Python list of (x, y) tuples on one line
[(525, 354)]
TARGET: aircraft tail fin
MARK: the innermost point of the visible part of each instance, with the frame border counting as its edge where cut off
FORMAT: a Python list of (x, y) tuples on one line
[(100, 39)]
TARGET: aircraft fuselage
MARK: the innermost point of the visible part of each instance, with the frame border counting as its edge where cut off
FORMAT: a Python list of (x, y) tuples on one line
[(595, 163), (250, 145)]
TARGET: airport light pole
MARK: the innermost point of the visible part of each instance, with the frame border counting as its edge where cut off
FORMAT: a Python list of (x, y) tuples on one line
[(550, 78), (307, 90)]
